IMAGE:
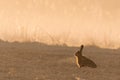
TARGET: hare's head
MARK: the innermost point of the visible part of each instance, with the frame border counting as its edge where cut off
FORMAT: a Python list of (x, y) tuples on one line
[(79, 53)]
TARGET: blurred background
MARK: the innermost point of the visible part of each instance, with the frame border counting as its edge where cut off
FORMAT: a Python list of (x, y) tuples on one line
[(61, 22)]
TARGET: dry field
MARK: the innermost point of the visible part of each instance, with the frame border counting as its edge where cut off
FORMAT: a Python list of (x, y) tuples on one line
[(34, 61)]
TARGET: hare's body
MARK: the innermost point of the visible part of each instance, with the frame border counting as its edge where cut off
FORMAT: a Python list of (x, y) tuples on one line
[(82, 60), (79, 56)]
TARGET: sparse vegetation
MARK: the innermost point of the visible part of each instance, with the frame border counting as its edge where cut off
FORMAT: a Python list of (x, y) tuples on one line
[(34, 61)]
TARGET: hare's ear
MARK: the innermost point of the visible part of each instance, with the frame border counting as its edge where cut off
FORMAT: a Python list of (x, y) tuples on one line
[(81, 47)]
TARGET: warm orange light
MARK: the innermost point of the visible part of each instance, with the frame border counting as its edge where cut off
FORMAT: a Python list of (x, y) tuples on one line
[(71, 22)]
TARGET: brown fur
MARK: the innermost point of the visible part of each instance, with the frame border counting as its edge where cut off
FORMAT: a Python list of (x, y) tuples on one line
[(82, 60), (78, 56)]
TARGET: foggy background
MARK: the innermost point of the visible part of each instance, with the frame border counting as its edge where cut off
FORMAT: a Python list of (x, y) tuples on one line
[(61, 22)]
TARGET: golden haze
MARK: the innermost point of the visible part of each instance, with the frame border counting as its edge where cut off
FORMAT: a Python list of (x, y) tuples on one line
[(71, 22)]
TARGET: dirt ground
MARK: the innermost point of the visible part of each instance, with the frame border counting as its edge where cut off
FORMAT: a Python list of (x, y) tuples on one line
[(34, 61)]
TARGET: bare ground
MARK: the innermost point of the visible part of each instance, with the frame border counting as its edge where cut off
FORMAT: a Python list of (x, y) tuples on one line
[(34, 61)]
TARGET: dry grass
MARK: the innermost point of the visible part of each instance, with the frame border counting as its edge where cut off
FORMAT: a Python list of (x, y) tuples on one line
[(33, 61)]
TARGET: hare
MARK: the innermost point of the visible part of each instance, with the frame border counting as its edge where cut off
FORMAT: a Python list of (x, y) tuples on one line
[(78, 56), (82, 60)]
